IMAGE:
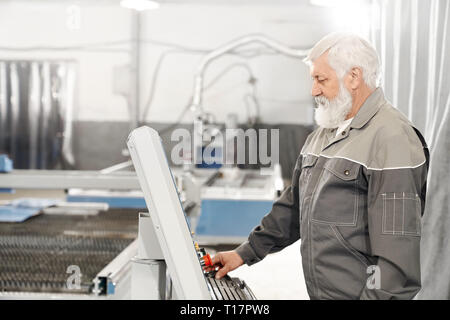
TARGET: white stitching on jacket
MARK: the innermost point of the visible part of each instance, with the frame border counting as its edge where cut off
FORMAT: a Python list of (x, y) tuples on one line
[(384, 220), (368, 168)]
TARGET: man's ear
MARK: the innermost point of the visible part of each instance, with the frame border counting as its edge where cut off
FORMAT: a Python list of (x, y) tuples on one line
[(356, 77)]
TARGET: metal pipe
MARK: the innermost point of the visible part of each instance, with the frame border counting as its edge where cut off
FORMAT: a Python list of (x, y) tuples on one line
[(226, 48)]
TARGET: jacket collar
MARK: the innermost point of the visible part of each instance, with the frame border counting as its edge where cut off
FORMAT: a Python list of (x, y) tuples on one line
[(369, 108)]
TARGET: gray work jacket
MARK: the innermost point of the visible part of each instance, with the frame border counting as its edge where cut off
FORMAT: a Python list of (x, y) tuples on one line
[(356, 202)]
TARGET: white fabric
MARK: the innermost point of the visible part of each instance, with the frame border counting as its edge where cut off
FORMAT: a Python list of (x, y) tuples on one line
[(343, 126), (413, 38)]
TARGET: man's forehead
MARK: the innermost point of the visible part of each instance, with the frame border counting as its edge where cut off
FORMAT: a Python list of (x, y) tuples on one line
[(317, 71), (320, 66)]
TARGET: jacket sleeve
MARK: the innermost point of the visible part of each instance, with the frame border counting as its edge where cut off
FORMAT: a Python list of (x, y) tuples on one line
[(279, 228), (396, 202)]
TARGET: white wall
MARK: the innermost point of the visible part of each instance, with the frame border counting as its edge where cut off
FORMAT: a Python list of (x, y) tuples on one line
[(33, 23), (200, 26), (283, 83), (283, 86)]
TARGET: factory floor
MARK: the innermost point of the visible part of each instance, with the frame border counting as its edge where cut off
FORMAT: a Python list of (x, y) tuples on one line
[(278, 277)]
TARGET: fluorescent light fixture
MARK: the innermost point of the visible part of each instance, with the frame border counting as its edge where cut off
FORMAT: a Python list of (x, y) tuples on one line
[(139, 5)]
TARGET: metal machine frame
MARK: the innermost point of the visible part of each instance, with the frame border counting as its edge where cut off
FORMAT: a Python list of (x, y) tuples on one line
[(167, 215), (66, 179)]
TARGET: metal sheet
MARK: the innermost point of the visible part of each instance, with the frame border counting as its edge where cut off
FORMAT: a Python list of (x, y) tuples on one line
[(35, 254)]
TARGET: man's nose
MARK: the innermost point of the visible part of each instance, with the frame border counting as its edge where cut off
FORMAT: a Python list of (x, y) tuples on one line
[(315, 90)]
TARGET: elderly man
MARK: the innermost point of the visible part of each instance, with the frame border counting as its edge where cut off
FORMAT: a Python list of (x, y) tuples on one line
[(358, 188)]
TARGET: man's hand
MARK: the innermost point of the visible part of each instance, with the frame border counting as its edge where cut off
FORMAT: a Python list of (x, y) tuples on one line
[(226, 261)]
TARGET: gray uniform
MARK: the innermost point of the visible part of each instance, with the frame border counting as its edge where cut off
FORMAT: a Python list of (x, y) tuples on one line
[(356, 202)]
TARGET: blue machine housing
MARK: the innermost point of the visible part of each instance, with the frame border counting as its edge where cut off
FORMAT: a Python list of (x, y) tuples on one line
[(231, 218), (113, 201), (6, 165)]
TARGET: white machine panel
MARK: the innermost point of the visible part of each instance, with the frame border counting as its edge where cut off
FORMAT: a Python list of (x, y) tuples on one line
[(167, 214)]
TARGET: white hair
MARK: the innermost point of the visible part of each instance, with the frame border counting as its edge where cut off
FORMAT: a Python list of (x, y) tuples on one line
[(346, 51)]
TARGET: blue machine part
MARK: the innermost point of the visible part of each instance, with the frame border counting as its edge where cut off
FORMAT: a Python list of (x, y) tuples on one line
[(14, 214), (113, 202), (21, 209), (7, 190), (213, 162), (6, 164), (231, 218)]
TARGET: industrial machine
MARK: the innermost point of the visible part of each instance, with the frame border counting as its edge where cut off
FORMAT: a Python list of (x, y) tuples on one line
[(54, 249), (213, 198), (167, 220), (202, 122), (62, 256), (42, 256)]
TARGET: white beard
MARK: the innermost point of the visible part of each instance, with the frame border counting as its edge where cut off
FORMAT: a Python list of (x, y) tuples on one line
[(330, 114)]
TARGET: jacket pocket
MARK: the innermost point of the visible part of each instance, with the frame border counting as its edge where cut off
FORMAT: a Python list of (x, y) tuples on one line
[(307, 164), (401, 214), (350, 249), (336, 196)]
